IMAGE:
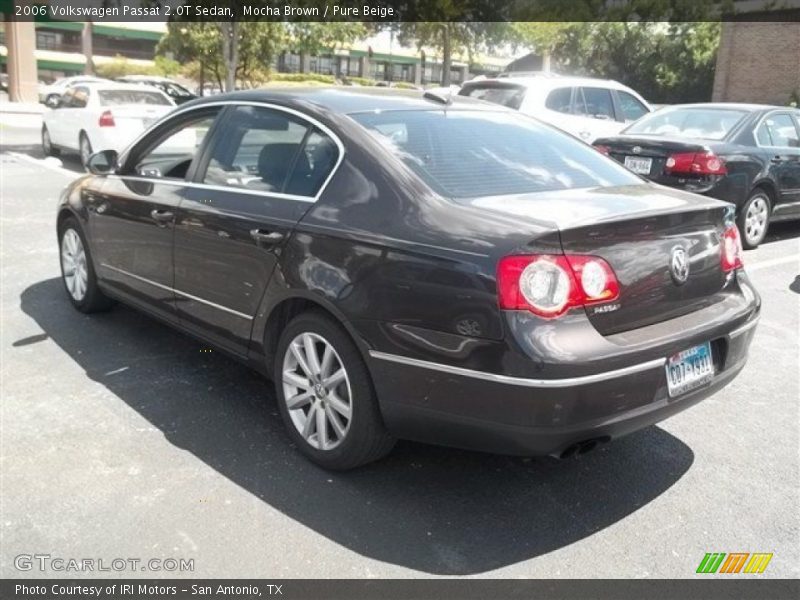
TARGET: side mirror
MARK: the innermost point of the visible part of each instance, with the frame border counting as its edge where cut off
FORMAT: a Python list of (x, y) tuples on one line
[(53, 101), (103, 162)]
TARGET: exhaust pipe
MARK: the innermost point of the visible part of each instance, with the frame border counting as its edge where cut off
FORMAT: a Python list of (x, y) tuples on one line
[(583, 447)]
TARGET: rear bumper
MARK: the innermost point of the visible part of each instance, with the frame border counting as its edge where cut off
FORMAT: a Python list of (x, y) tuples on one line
[(440, 403)]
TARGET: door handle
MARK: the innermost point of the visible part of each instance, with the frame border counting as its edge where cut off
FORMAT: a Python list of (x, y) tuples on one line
[(776, 159), (266, 237), (162, 216)]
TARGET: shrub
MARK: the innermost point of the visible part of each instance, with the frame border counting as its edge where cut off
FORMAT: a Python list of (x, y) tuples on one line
[(121, 66)]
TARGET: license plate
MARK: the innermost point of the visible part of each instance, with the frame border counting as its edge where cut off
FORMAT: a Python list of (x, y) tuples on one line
[(689, 369), (639, 165)]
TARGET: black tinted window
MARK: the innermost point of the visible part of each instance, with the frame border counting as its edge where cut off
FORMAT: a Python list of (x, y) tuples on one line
[(505, 95), (560, 100), (477, 153)]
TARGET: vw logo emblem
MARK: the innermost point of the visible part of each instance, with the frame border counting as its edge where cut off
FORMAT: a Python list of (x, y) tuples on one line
[(679, 265), (636, 149)]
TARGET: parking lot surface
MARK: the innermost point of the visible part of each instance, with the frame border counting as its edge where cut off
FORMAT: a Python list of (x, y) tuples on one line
[(121, 438)]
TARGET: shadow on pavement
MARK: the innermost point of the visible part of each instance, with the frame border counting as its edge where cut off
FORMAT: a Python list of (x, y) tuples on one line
[(437, 510)]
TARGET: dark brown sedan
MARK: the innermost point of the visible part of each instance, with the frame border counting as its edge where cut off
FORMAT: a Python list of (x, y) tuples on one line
[(412, 266)]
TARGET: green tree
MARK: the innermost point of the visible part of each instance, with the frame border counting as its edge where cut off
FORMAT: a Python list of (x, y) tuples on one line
[(312, 38)]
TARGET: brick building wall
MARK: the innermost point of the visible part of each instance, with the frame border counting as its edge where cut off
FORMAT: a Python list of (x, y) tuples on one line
[(758, 62)]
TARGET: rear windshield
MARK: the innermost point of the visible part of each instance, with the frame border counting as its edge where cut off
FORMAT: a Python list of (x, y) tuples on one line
[(701, 123), (463, 154), (119, 97), (506, 95)]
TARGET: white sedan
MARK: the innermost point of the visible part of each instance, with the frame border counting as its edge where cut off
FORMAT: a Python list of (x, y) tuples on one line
[(98, 116)]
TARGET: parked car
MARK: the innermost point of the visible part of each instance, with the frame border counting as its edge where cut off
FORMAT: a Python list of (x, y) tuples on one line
[(748, 155), (173, 89), (586, 108), (101, 116), (406, 267), (53, 91)]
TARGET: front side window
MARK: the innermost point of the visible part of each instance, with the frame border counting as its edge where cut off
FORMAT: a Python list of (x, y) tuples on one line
[(268, 150), (466, 154), (691, 122), (594, 102), (782, 132), (174, 151), (632, 109)]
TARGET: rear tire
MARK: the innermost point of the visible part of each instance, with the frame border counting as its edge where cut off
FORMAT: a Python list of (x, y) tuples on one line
[(326, 384), (77, 270), (47, 143), (753, 219)]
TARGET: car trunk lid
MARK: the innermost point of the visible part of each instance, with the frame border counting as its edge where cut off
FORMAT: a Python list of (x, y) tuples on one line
[(637, 230)]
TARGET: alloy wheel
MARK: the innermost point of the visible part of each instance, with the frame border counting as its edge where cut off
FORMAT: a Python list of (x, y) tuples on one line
[(755, 221), (317, 391), (73, 263)]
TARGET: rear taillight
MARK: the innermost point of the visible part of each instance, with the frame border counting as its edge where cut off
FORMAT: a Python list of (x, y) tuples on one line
[(549, 285), (731, 255), (106, 119), (603, 149), (695, 163)]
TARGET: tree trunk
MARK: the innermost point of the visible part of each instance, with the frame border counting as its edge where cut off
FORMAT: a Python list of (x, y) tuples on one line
[(546, 61), (447, 59), (230, 53), (86, 48)]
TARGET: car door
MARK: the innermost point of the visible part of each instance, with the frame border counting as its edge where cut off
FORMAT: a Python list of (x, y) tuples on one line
[(57, 120), (595, 108), (132, 218), (259, 175), (783, 153), (71, 117)]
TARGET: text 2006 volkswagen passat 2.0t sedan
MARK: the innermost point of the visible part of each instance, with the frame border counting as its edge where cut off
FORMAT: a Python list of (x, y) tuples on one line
[(414, 266)]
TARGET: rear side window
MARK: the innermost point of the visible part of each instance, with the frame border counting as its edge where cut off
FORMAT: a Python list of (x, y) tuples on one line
[(508, 95), (782, 131), (271, 151), (123, 97), (560, 100), (463, 154), (594, 102), (80, 97), (632, 109)]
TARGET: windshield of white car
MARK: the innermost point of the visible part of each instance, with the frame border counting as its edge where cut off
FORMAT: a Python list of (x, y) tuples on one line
[(467, 154), (120, 97), (699, 123)]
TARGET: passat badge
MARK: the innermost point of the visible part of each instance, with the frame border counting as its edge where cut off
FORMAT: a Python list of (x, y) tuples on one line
[(679, 265)]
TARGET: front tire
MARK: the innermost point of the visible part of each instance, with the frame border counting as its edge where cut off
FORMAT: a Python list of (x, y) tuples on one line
[(753, 219), (325, 395), (84, 149), (77, 271)]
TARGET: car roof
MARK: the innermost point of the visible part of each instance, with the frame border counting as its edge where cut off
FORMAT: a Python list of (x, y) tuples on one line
[(349, 100), (748, 107), (157, 78), (551, 81)]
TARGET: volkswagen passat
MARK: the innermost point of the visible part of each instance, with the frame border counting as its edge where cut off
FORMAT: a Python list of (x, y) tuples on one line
[(412, 266)]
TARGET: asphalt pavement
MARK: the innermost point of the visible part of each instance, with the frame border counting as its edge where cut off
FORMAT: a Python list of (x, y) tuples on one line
[(121, 438)]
